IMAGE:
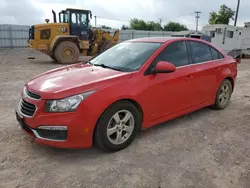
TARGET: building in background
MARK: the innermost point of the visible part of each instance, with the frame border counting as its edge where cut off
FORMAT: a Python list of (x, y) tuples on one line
[(189, 34)]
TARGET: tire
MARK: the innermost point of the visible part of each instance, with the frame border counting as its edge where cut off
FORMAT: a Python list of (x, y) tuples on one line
[(109, 121), (105, 45), (223, 95), (53, 58), (61, 52)]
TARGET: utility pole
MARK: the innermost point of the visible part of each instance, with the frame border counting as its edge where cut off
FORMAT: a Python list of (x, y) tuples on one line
[(160, 21), (237, 11), (197, 19), (95, 21)]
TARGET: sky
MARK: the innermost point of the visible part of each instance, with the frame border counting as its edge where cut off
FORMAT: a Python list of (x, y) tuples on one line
[(116, 13)]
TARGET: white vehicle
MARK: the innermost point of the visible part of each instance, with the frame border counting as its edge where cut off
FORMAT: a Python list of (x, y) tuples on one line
[(231, 39)]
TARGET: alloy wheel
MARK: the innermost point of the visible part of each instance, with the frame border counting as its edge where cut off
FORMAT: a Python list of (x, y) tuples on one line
[(120, 127), (224, 95)]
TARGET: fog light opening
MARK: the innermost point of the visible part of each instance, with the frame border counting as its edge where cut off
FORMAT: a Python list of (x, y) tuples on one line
[(53, 128), (52, 133)]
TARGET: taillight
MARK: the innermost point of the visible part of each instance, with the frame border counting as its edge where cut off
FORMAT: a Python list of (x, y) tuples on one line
[(238, 60)]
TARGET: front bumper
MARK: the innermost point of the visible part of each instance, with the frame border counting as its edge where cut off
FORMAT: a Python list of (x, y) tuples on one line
[(42, 47), (80, 126)]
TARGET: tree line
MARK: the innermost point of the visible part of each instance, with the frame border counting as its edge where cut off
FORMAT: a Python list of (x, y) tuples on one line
[(223, 16)]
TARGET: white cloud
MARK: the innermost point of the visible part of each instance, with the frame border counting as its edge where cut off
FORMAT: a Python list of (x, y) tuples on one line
[(118, 11)]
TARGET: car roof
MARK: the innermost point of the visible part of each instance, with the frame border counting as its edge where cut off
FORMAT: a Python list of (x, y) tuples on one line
[(162, 39), (154, 39)]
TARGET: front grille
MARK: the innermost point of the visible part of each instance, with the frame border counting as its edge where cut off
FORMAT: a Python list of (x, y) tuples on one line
[(33, 95), (27, 108)]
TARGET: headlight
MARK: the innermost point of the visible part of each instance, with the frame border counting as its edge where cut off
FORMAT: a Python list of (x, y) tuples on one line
[(68, 104)]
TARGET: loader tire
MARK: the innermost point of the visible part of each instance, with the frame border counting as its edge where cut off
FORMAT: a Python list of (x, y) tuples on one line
[(105, 45), (67, 52), (53, 58)]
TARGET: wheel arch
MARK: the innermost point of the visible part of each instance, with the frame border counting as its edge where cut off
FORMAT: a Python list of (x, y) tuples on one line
[(132, 101), (58, 39), (231, 80)]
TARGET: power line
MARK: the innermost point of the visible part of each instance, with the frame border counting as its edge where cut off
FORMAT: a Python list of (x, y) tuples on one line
[(197, 19), (108, 18)]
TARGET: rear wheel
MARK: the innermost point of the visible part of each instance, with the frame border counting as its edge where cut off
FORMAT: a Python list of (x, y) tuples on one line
[(223, 95), (67, 52), (117, 127)]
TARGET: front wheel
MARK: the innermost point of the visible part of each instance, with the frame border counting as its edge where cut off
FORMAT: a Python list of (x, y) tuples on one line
[(223, 95), (67, 52), (117, 126)]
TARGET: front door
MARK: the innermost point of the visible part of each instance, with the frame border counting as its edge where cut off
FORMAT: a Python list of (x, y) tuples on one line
[(79, 25), (173, 92)]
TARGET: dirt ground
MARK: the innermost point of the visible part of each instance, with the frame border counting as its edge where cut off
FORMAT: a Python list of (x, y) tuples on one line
[(207, 149)]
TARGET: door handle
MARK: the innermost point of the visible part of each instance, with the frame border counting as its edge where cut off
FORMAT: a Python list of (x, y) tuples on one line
[(189, 77), (216, 69)]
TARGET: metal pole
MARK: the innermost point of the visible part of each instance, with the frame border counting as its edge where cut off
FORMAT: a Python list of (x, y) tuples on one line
[(237, 11), (197, 19), (95, 22), (11, 39)]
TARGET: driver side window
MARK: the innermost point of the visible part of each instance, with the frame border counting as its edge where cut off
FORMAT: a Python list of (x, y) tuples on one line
[(175, 53), (73, 18), (79, 19)]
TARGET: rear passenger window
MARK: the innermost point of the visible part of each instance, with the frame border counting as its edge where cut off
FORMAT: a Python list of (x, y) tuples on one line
[(216, 54), (175, 53), (200, 52), (221, 56)]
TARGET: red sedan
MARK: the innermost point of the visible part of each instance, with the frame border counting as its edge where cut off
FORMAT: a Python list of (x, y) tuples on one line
[(134, 85)]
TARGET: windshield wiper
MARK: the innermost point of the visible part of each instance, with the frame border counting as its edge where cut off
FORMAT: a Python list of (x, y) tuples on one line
[(88, 62), (108, 67)]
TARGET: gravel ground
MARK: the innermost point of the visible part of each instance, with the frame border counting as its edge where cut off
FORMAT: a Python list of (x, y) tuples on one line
[(207, 148)]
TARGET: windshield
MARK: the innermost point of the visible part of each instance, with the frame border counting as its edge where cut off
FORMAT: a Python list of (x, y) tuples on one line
[(126, 56)]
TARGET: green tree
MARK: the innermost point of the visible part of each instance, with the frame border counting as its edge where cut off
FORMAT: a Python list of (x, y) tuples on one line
[(153, 26), (124, 27), (223, 16), (139, 24), (105, 27), (174, 26)]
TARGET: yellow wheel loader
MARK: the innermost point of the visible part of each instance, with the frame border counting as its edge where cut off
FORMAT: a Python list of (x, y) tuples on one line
[(65, 41)]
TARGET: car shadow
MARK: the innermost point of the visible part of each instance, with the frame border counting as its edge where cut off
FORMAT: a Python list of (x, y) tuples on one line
[(174, 123)]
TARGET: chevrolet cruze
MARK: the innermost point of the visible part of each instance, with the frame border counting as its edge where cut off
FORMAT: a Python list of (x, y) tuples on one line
[(132, 86)]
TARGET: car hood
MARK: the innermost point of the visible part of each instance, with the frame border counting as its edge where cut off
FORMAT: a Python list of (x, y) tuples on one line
[(74, 79)]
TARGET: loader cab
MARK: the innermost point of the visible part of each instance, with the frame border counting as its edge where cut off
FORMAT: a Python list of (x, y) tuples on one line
[(79, 22)]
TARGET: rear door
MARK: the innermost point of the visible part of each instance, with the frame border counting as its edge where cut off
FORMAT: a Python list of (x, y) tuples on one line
[(169, 93), (205, 60)]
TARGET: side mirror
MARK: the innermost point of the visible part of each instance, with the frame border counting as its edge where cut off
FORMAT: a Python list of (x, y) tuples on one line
[(164, 67)]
